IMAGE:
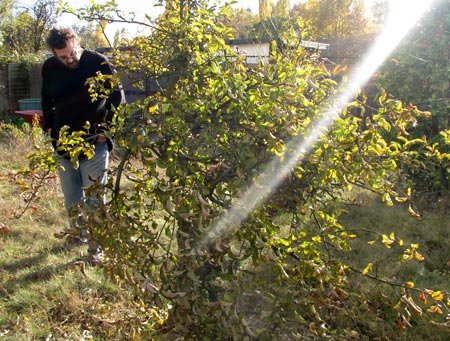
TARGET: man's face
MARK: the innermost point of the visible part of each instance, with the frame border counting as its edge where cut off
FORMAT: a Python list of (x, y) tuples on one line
[(70, 55)]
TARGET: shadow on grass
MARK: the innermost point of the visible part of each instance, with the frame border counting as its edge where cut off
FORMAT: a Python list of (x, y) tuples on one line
[(16, 233), (27, 262), (40, 274)]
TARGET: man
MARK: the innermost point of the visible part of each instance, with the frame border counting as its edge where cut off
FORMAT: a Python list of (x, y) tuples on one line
[(66, 101)]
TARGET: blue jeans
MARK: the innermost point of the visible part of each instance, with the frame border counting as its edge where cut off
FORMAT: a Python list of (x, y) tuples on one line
[(73, 181)]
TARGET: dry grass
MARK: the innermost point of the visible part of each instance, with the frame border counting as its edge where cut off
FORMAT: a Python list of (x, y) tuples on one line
[(47, 290)]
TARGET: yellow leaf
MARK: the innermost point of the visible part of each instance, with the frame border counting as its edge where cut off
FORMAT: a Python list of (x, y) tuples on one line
[(367, 269), (413, 213), (419, 257), (410, 284), (435, 310), (437, 295), (153, 108), (371, 242), (387, 199), (401, 199), (386, 241), (408, 255)]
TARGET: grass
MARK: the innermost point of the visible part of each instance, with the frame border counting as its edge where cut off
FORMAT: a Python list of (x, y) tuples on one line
[(48, 292), (431, 233)]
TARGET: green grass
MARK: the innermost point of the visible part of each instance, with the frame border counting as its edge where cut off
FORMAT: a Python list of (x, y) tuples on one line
[(431, 233)]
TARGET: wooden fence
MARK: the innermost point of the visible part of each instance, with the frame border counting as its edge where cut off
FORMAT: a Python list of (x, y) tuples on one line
[(21, 81), (18, 81)]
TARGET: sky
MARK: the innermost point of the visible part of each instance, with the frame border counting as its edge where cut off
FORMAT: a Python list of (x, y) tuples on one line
[(143, 6), (140, 7)]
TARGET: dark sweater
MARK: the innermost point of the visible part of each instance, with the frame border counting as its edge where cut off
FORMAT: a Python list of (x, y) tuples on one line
[(65, 96)]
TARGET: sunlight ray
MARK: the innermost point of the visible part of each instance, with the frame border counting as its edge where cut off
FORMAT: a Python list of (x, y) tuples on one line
[(403, 16)]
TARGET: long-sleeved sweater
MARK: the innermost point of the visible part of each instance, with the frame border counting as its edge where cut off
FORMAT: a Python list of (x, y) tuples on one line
[(66, 99)]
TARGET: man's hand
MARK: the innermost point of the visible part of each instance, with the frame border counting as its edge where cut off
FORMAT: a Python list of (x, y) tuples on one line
[(101, 138)]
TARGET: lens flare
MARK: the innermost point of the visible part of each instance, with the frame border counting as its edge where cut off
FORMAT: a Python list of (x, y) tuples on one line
[(403, 16)]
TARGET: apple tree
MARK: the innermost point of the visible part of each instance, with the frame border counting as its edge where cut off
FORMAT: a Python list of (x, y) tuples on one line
[(208, 218)]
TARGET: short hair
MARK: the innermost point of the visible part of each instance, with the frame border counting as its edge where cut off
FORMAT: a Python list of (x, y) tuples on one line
[(59, 37)]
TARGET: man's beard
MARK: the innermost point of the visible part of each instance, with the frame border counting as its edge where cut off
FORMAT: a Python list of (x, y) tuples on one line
[(73, 65)]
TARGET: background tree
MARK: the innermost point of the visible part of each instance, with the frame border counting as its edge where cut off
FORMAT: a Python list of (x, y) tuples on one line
[(265, 9), (15, 35), (43, 13), (100, 35), (6, 8), (342, 24), (24, 32), (282, 8), (92, 35), (334, 19), (119, 37), (380, 10), (274, 27), (242, 21), (418, 73), (277, 20)]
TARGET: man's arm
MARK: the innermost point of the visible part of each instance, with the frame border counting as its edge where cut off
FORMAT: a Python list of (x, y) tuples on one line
[(47, 103)]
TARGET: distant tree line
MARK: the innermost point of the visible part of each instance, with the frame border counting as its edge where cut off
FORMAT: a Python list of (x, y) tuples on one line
[(23, 29)]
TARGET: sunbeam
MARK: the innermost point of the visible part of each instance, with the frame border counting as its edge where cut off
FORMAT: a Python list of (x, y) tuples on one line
[(403, 16)]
